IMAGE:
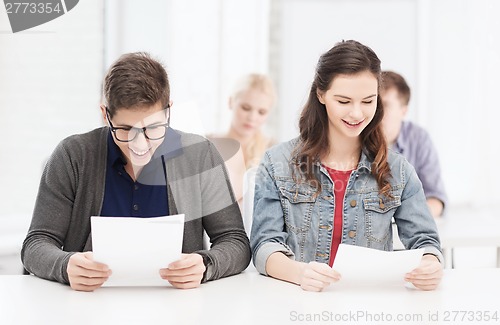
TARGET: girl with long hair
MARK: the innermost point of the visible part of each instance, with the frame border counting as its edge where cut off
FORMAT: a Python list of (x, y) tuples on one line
[(338, 183)]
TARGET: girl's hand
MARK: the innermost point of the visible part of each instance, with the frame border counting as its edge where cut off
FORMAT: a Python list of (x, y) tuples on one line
[(427, 275), (316, 276)]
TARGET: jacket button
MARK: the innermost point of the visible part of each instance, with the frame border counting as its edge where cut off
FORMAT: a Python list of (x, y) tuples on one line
[(351, 234), (353, 203)]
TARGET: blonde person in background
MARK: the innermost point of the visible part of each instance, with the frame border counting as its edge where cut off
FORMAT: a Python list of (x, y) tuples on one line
[(250, 102)]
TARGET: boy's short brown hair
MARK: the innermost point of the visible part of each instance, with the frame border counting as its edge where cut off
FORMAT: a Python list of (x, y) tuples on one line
[(392, 79), (135, 80)]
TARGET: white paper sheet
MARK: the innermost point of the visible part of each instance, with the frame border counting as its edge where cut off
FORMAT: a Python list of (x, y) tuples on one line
[(135, 249), (366, 266)]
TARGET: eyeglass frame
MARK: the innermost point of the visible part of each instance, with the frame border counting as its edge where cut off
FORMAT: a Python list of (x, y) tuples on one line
[(138, 130)]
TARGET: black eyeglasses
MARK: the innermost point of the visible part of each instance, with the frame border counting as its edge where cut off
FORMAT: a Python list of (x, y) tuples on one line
[(128, 134)]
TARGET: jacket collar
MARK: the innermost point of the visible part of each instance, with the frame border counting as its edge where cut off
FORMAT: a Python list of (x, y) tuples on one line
[(364, 163)]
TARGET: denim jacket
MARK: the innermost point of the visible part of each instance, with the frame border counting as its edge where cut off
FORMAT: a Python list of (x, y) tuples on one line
[(289, 217)]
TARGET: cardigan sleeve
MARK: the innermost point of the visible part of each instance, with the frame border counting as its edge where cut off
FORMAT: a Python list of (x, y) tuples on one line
[(71, 190), (230, 250), (42, 252)]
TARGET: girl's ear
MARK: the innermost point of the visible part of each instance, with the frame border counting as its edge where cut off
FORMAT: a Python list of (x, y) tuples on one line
[(319, 94)]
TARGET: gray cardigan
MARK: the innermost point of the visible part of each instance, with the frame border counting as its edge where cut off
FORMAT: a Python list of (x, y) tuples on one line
[(72, 190)]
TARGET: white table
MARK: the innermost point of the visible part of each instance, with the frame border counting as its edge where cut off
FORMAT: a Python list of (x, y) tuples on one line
[(465, 227), (13, 229), (249, 298), (469, 227)]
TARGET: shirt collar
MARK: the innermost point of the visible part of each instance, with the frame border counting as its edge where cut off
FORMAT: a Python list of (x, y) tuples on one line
[(170, 147), (115, 157), (364, 163)]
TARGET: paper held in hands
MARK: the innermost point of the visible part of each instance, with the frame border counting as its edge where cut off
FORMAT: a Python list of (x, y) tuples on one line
[(372, 267), (135, 249)]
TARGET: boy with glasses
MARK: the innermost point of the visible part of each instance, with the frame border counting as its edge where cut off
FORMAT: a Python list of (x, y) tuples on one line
[(136, 166)]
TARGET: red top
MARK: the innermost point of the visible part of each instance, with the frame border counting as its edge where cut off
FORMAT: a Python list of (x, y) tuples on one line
[(340, 179)]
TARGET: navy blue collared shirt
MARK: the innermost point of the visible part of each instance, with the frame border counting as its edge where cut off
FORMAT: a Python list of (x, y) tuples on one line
[(147, 196)]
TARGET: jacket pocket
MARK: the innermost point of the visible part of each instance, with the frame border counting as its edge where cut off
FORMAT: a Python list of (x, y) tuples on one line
[(298, 202), (378, 218)]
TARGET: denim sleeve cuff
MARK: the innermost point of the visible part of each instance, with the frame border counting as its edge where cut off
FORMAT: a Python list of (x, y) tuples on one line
[(434, 251), (265, 251)]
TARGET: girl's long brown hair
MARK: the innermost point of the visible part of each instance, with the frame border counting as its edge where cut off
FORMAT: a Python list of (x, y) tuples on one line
[(345, 58)]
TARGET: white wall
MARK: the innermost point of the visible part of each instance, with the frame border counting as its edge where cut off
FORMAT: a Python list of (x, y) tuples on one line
[(462, 105), (49, 89)]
